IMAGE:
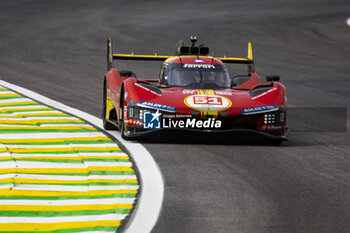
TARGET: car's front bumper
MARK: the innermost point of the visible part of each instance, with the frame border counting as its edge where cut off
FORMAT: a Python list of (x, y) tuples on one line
[(178, 131)]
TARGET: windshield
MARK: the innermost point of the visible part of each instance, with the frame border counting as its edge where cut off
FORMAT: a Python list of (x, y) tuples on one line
[(197, 76)]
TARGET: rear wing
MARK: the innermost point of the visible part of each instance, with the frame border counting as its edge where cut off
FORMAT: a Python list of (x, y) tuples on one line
[(181, 51)]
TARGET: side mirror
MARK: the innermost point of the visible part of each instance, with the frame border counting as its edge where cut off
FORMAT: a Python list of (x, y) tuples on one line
[(239, 79), (126, 73), (163, 82), (272, 78)]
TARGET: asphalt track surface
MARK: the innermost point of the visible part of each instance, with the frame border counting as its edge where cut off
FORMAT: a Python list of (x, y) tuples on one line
[(57, 48)]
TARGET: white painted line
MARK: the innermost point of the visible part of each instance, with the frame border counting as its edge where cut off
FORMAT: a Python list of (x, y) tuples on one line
[(75, 188), (86, 164), (69, 177), (50, 135), (6, 92), (151, 195), (53, 165), (95, 232), (81, 155), (7, 164), (107, 164), (43, 125), (31, 112), (6, 186), (68, 202), (70, 145), (24, 107), (38, 118), (14, 100), (9, 175), (82, 218)]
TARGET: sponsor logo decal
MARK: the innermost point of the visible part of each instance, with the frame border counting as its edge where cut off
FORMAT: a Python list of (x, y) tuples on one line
[(205, 66), (264, 93), (207, 102), (176, 116), (274, 127), (193, 123), (258, 109), (158, 106), (198, 61), (189, 91), (125, 95), (223, 93), (135, 122), (155, 120), (151, 120)]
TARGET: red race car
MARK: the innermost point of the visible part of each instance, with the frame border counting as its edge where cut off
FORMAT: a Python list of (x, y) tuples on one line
[(194, 92)]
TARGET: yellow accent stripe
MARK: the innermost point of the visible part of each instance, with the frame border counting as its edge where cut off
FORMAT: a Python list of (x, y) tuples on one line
[(9, 95), (49, 127), (109, 105), (20, 108), (212, 113), (38, 140), (5, 158), (18, 121), (250, 51), (6, 180), (65, 207), (80, 157), (37, 227), (42, 193), (59, 182), (132, 55), (68, 149), (210, 92), (18, 103), (92, 168), (232, 58), (63, 170), (34, 114)]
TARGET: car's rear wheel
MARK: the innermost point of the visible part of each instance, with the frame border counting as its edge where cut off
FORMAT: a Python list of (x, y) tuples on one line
[(106, 111)]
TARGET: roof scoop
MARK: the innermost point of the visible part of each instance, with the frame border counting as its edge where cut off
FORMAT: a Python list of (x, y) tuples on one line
[(193, 40), (193, 50)]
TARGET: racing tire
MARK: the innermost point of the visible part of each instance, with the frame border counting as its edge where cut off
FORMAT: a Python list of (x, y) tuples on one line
[(106, 125)]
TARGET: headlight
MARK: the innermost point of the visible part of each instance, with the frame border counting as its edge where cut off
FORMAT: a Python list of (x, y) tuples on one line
[(135, 112), (273, 118), (270, 118)]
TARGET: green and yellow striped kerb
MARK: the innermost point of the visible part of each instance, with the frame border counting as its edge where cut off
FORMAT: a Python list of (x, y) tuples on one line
[(59, 174)]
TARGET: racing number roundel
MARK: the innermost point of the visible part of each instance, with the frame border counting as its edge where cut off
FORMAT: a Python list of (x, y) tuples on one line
[(207, 102)]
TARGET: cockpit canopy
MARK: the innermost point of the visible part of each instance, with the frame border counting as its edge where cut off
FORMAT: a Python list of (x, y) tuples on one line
[(195, 76)]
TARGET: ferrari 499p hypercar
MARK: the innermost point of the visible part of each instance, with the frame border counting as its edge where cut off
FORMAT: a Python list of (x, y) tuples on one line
[(194, 92)]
